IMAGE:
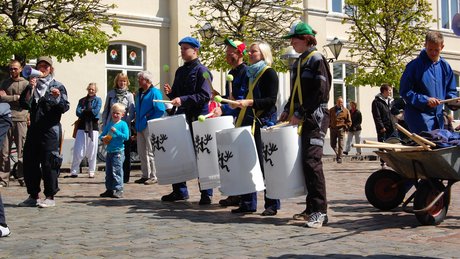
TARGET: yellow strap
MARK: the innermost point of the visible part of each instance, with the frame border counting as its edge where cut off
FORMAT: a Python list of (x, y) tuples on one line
[(298, 90), (249, 96)]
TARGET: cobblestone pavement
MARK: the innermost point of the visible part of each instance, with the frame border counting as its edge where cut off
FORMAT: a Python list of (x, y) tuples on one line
[(82, 225)]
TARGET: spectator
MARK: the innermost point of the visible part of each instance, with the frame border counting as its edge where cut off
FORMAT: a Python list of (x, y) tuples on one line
[(46, 99), (115, 133), (86, 141), (355, 130), (426, 81), (10, 90), (5, 124), (340, 122), (121, 94), (146, 110)]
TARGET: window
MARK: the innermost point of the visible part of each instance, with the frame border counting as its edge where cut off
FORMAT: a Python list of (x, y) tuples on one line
[(337, 6), (348, 92), (125, 58), (448, 9)]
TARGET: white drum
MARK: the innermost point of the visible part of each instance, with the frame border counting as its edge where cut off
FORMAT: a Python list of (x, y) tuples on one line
[(282, 163), (175, 159), (239, 166), (204, 136)]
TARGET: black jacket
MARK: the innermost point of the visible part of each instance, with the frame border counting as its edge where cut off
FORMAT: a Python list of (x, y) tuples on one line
[(381, 111)]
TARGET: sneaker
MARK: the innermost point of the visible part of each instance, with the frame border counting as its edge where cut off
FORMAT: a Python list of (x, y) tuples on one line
[(242, 210), (29, 202), (91, 174), (174, 197), (3, 183), (21, 182), (230, 201), (316, 220), (4, 231), (47, 203), (205, 200), (141, 180), (269, 212), (301, 216), (117, 194), (106, 194), (151, 181)]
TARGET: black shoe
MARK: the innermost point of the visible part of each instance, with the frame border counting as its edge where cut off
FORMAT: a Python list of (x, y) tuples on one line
[(269, 212), (345, 153), (117, 194), (230, 201), (71, 176), (243, 211), (141, 180), (339, 160), (205, 200), (174, 197), (106, 194)]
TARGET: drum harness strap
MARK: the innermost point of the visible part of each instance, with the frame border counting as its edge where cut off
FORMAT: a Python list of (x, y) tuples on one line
[(298, 90), (249, 96)]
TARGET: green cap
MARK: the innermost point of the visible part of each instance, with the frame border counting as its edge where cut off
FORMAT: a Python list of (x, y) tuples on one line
[(240, 46), (299, 28)]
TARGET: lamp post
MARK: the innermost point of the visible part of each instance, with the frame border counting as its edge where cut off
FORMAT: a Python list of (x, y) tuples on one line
[(335, 46), (290, 56)]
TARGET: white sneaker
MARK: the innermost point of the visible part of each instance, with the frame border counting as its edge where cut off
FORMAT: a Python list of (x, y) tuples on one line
[(316, 220), (47, 203), (91, 174), (4, 231)]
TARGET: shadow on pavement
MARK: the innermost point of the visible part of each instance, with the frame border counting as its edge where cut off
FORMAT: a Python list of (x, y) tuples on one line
[(341, 256)]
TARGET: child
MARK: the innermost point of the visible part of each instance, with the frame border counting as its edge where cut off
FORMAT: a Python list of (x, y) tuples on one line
[(113, 135)]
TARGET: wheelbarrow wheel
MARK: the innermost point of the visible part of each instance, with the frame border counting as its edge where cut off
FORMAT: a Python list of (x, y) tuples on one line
[(426, 193), (384, 189)]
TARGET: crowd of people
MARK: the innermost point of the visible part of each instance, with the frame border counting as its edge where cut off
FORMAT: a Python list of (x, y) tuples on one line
[(38, 103)]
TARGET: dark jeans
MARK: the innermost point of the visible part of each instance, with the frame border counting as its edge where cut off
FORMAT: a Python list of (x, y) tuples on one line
[(2, 212)]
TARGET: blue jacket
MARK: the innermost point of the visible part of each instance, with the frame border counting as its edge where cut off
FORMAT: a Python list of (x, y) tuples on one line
[(421, 80), (120, 135), (146, 109), (239, 88), (96, 105)]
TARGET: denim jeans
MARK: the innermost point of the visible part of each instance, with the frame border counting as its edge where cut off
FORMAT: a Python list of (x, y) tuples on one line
[(350, 136), (114, 171)]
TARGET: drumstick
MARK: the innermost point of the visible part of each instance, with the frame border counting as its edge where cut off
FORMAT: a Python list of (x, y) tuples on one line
[(219, 99), (230, 82), (202, 118), (284, 123), (450, 100), (161, 101), (418, 139)]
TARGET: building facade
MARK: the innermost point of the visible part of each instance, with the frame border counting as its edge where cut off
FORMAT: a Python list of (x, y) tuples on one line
[(152, 28)]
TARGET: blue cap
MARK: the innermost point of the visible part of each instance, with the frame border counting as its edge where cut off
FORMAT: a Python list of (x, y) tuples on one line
[(191, 41)]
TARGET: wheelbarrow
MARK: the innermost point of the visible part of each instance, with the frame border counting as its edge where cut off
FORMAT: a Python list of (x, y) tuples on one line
[(432, 172)]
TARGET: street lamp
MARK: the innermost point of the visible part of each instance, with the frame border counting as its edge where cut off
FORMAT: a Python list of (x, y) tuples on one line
[(290, 56), (335, 46), (206, 31)]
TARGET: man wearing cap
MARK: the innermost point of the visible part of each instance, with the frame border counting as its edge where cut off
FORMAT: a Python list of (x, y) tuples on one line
[(234, 53), (46, 100), (307, 108), (10, 90), (190, 94)]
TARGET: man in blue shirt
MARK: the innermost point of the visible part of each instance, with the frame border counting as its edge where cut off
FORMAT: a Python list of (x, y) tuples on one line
[(427, 80)]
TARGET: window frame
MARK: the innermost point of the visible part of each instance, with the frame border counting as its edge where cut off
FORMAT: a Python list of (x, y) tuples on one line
[(450, 14), (341, 81)]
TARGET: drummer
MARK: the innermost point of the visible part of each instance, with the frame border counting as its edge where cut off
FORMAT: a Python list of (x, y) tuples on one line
[(190, 94), (234, 54), (311, 80), (258, 109)]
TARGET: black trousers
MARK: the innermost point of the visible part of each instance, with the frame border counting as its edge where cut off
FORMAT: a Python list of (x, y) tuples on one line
[(38, 150)]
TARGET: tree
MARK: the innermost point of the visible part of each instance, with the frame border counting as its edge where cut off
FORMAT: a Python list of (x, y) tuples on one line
[(384, 35), (60, 28), (245, 20)]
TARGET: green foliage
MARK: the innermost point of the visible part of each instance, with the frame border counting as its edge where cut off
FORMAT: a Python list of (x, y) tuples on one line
[(245, 20), (384, 36), (60, 28)]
